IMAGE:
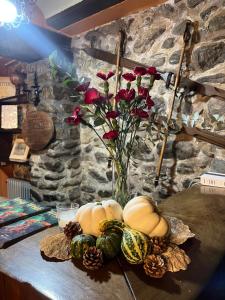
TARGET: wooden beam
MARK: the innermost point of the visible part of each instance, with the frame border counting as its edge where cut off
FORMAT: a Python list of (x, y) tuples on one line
[(79, 11), (110, 14)]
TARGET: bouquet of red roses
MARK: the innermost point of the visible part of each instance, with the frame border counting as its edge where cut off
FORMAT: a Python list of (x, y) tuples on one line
[(120, 116)]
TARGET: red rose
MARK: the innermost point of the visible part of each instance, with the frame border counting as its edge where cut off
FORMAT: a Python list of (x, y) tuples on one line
[(152, 71), (82, 87), (149, 102), (140, 113), (104, 76), (127, 95), (129, 77), (75, 119), (112, 114), (140, 71), (111, 135), (91, 96), (142, 92)]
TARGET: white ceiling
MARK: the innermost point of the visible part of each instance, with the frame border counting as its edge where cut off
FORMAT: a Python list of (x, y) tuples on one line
[(52, 7)]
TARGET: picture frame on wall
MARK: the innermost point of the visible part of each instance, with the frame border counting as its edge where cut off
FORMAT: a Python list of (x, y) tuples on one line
[(9, 117), (19, 151)]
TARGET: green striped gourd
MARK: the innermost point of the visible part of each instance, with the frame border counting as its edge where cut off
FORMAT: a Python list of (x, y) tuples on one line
[(80, 244), (109, 243), (134, 244)]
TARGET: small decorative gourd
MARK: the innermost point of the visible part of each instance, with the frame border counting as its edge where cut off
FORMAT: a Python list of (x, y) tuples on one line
[(109, 243), (141, 214), (80, 244), (91, 214), (134, 244)]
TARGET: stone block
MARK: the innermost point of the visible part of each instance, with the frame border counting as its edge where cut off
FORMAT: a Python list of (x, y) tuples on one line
[(69, 144), (147, 39), (76, 181), (101, 157), (217, 22), (74, 193), (169, 150), (52, 165), (175, 57), (47, 185), (74, 163), (179, 28), (168, 43), (185, 150), (207, 12), (216, 107), (218, 166), (88, 148), (217, 78), (58, 153), (194, 3), (98, 177), (208, 56), (54, 176), (105, 193), (185, 168), (88, 189), (166, 10)]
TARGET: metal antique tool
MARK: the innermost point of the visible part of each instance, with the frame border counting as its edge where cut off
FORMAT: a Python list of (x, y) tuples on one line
[(168, 77), (186, 39)]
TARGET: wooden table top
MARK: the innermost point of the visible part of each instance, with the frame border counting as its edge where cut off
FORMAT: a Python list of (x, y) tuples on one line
[(205, 214)]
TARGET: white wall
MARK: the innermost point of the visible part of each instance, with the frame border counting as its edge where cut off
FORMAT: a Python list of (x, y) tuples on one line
[(52, 7)]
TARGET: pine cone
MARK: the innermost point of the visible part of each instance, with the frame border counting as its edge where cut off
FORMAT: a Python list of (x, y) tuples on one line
[(71, 229), (155, 266), (158, 245), (93, 258)]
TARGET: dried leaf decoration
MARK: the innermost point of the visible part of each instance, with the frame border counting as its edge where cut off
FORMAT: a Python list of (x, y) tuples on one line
[(176, 259), (56, 246), (179, 231)]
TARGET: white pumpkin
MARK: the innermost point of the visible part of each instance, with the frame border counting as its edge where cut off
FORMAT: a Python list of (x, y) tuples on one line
[(91, 214), (141, 214)]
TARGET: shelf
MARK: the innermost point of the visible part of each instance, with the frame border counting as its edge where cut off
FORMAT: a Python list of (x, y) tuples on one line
[(12, 131)]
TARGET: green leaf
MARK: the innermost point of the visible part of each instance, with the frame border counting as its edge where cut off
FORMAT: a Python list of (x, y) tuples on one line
[(71, 83), (99, 122), (97, 111)]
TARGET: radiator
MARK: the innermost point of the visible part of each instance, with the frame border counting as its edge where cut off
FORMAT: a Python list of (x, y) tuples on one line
[(18, 188)]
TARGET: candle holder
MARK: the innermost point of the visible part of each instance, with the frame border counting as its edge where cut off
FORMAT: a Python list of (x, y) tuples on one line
[(66, 213)]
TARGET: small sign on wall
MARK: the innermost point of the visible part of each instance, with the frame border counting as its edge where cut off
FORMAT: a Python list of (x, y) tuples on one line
[(8, 113), (19, 151), (9, 116), (7, 89)]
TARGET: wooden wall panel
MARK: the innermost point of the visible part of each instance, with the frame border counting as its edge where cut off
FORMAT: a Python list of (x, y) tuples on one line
[(5, 173)]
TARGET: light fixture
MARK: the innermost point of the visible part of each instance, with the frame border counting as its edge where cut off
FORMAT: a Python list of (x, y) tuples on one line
[(13, 12), (8, 12)]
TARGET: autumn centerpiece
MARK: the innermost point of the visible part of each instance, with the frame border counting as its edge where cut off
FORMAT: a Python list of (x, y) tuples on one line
[(119, 116)]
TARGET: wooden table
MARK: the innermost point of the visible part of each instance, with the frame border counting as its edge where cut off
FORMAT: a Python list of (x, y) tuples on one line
[(24, 274)]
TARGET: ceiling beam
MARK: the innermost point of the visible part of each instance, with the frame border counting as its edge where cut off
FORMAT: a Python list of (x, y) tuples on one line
[(110, 14), (79, 11)]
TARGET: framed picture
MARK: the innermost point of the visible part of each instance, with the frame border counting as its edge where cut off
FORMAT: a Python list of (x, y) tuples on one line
[(7, 89), (9, 116), (19, 151)]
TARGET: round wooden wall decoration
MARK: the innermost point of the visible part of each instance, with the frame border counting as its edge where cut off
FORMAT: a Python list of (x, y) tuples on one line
[(37, 130)]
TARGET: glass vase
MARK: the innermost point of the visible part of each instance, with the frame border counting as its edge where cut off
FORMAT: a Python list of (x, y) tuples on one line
[(120, 183)]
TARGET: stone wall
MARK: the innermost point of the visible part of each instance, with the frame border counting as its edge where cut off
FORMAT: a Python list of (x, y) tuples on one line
[(154, 37), (55, 171)]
